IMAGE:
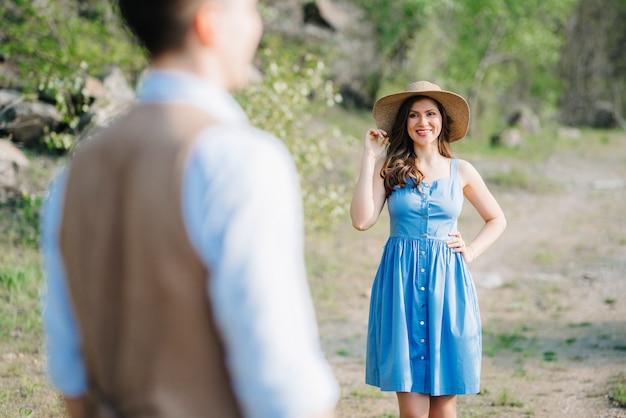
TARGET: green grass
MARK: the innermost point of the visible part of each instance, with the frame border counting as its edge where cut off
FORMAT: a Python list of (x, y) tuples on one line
[(513, 178), (24, 388), (580, 325), (548, 257), (20, 283), (366, 391), (515, 341), (343, 352), (550, 356), (19, 220), (520, 372), (20, 271), (617, 392), (506, 398)]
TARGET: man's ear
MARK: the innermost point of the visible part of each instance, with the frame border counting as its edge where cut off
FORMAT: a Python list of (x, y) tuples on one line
[(206, 22)]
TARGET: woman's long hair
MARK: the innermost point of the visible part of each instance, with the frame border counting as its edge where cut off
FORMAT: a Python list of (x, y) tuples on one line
[(401, 161)]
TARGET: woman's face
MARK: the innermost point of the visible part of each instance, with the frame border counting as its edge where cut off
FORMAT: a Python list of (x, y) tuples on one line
[(424, 123)]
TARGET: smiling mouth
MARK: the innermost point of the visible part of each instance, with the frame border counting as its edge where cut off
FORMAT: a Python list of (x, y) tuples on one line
[(423, 131)]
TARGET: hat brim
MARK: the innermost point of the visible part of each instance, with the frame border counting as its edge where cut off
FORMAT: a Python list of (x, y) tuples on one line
[(386, 109)]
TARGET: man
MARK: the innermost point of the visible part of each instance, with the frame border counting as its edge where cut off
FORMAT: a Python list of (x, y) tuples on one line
[(173, 245)]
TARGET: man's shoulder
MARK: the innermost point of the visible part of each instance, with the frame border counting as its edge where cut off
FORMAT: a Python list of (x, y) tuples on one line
[(241, 143)]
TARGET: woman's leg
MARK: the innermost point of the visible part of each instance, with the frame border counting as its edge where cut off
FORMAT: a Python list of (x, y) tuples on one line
[(413, 405), (443, 406)]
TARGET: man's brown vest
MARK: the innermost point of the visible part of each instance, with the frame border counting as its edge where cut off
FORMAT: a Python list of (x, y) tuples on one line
[(138, 288)]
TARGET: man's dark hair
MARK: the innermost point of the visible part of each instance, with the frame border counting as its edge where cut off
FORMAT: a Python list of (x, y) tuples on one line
[(158, 25)]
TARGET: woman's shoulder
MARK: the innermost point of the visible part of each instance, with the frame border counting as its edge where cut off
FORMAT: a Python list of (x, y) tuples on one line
[(466, 171), (464, 165)]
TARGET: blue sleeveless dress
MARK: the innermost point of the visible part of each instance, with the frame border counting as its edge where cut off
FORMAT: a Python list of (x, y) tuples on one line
[(424, 331)]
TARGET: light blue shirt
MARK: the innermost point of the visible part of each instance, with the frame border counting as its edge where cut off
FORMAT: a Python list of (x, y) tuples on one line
[(242, 209)]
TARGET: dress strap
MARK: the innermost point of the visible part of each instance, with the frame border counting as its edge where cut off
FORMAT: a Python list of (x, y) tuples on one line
[(454, 168), (454, 176)]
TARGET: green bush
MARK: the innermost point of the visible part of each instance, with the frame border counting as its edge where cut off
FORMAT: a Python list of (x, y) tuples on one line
[(54, 45), (66, 94), (295, 87), (54, 63), (55, 39)]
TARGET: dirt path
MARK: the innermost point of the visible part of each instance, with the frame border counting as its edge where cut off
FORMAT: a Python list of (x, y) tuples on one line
[(552, 293)]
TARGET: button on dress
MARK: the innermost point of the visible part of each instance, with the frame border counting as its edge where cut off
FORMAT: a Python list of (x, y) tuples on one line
[(424, 331)]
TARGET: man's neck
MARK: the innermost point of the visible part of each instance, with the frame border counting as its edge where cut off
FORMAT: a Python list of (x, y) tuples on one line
[(204, 67)]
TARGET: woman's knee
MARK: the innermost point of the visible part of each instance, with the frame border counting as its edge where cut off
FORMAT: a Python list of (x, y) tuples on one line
[(443, 406), (413, 405)]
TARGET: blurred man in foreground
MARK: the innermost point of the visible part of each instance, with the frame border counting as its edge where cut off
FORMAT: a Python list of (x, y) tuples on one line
[(173, 245)]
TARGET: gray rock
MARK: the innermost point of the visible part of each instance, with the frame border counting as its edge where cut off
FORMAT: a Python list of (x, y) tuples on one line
[(340, 26), (511, 138), (357, 58), (526, 120), (12, 163), (112, 97), (93, 88), (26, 121), (8, 99)]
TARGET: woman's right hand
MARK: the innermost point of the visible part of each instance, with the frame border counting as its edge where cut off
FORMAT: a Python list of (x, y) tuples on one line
[(373, 143), (369, 195)]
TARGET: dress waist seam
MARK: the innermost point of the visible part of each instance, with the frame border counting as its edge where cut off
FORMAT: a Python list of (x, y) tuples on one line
[(418, 238)]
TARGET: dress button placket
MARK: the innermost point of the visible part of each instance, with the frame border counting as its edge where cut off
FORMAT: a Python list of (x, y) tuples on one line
[(421, 279)]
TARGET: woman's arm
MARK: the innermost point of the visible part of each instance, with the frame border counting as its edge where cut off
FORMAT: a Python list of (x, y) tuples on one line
[(476, 191), (369, 195)]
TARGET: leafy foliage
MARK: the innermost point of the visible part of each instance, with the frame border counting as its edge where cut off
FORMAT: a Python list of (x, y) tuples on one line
[(398, 22), (496, 53), (510, 43), (53, 39), (295, 86), (86, 37), (55, 45), (66, 94)]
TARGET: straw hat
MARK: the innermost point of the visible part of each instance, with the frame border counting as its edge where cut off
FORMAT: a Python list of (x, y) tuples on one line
[(386, 108)]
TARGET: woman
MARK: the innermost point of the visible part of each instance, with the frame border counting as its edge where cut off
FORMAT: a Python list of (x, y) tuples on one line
[(424, 332)]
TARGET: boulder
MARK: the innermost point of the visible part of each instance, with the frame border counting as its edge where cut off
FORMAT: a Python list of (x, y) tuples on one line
[(354, 39), (508, 138), (526, 120), (111, 97), (284, 16), (603, 115), (26, 120), (341, 28), (12, 162), (93, 88), (8, 100)]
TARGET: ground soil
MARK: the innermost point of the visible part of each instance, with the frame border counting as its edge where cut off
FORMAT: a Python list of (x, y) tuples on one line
[(552, 291)]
